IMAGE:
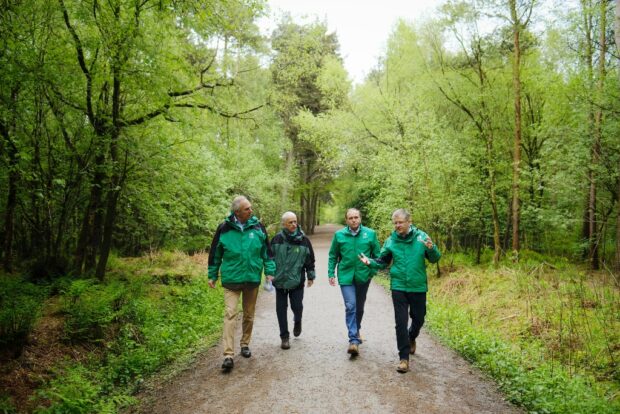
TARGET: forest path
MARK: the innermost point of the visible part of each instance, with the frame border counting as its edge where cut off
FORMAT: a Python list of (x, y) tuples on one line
[(317, 375)]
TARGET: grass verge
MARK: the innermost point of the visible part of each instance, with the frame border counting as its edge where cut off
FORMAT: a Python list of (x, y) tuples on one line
[(148, 314), (547, 333)]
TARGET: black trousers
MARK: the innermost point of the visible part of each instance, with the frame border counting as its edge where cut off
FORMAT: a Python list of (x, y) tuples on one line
[(408, 304), (296, 297)]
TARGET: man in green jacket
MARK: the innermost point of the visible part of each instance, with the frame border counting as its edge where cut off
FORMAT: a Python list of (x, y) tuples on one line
[(353, 277), (294, 258), (407, 249), (239, 253)]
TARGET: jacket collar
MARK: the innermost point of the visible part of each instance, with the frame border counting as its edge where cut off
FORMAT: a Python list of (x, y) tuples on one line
[(294, 237), (234, 223), (408, 238)]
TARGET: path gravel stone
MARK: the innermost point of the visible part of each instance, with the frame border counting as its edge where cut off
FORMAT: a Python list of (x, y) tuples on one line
[(316, 375)]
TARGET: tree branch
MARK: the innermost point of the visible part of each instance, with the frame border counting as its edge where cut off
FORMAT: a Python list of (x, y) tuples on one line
[(82, 61)]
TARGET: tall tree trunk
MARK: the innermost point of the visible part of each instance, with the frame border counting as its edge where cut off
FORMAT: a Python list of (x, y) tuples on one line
[(288, 168), (617, 262), (116, 181), (590, 217), (593, 250), (85, 240), (11, 201), (516, 160), (497, 248)]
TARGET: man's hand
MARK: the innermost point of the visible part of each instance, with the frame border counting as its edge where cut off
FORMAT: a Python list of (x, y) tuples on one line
[(269, 278), (332, 281), (310, 283), (364, 259), (212, 283), (428, 242)]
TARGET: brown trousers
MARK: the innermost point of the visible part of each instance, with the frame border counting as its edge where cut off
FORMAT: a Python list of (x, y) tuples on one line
[(231, 302)]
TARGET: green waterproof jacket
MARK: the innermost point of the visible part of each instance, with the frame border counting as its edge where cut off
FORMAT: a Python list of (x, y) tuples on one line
[(240, 254), (407, 255), (344, 252), (294, 259)]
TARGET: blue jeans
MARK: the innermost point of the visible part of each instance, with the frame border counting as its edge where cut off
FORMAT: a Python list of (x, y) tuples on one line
[(354, 299)]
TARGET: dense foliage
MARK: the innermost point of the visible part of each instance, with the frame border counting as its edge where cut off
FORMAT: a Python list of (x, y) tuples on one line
[(127, 126), (151, 312)]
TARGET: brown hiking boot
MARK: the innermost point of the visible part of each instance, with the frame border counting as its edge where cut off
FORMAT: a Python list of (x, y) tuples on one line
[(353, 349), (403, 366), (412, 346)]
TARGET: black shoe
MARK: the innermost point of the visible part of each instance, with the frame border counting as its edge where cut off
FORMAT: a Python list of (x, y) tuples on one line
[(245, 352), (285, 344), (228, 364), (297, 328)]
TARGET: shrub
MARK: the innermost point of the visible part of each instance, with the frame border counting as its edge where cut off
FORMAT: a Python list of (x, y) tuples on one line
[(6, 407), (540, 386), (77, 390), (91, 308), (20, 307)]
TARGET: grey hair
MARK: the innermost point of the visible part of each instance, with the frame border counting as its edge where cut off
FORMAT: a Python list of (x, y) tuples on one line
[(234, 207), (288, 215), (346, 214), (401, 212)]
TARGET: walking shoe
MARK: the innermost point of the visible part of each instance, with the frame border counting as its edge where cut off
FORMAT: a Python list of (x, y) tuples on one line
[(285, 344), (228, 364), (297, 328), (245, 352), (412, 346), (353, 349), (403, 366)]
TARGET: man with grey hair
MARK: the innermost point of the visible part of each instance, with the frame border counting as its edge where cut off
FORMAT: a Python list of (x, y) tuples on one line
[(239, 253), (353, 277), (406, 249), (294, 259)]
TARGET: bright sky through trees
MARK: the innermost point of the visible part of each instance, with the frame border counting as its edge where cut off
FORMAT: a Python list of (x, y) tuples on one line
[(362, 26)]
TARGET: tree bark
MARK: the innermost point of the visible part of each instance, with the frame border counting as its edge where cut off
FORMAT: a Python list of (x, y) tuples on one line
[(617, 261), (593, 250), (11, 201), (116, 181), (516, 160)]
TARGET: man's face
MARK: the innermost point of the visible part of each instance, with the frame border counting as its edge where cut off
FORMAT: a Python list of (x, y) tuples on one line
[(401, 225), (354, 220), (291, 224), (244, 212)]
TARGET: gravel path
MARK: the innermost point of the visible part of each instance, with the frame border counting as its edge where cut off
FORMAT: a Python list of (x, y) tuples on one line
[(317, 375)]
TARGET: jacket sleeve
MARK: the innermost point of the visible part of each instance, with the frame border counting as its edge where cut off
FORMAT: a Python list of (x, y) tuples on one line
[(384, 259), (269, 264), (375, 250), (215, 254), (433, 254), (309, 262), (334, 257)]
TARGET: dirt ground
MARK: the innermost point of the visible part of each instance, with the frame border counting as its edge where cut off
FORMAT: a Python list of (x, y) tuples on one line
[(317, 375)]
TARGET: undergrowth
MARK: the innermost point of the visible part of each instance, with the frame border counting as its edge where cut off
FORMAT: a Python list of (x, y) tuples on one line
[(147, 314), (546, 331)]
